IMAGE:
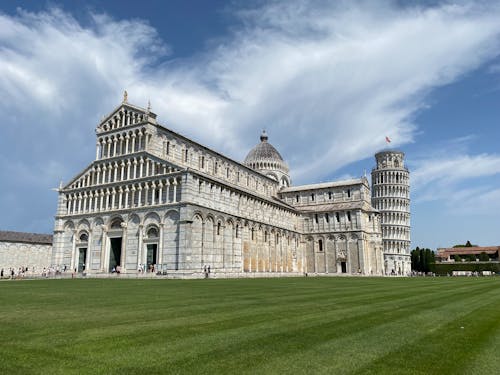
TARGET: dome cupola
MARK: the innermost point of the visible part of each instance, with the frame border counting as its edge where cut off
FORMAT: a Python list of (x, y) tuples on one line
[(264, 158)]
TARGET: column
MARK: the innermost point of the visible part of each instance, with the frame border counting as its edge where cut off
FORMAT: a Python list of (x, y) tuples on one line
[(85, 197), (139, 203), (147, 167), (101, 198), (108, 153), (106, 203), (122, 171), (126, 196), (153, 191), (73, 251), (97, 146), (103, 249), (79, 202), (89, 253), (133, 142), (127, 137), (167, 197), (141, 166), (114, 146), (113, 195), (139, 141), (135, 168), (120, 196), (110, 170), (160, 245), (124, 246), (120, 146), (175, 190), (128, 169), (140, 250), (146, 194), (160, 192), (115, 171), (132, 201), (98, 175)]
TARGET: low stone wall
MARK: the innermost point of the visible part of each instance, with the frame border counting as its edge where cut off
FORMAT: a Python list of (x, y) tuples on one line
[(17, 255)]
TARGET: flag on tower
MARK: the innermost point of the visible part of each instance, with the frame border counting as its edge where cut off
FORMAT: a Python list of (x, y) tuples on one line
[(387, 139)]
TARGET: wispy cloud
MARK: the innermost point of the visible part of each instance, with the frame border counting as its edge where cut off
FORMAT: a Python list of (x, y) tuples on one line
[(328, 82)]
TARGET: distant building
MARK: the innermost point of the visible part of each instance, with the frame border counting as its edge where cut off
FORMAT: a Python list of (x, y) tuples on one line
[(155, 200), (31, 250), (448, 254)]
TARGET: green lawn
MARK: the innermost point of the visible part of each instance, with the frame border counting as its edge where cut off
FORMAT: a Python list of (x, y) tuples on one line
[(252, 326)]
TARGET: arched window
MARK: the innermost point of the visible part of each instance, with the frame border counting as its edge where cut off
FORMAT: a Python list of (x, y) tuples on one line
[(152, 232), (218, 229), (320, 245), (84, 237), (116, 224)]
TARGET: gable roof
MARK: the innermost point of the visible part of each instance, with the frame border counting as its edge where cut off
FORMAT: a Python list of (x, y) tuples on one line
[(36, 238)]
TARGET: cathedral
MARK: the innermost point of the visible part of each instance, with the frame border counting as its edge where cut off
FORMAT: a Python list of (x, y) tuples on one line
[(156, 201)]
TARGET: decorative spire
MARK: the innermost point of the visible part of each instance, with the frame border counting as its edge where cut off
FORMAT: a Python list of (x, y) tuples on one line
[(125, 96), (263, 136), (149, 106)]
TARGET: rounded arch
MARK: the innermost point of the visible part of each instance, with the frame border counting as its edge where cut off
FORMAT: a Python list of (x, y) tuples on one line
[(83, 224), (83, 236), (98, 221), (115, 221), (152, 217), (69, 225), (152, 231), (134, 219), (171, 216)]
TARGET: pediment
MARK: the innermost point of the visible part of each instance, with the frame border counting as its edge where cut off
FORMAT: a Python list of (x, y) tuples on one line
[(125, 115), (87, 177)]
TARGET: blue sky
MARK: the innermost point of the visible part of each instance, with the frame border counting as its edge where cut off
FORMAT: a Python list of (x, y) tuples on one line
[(327, 82)]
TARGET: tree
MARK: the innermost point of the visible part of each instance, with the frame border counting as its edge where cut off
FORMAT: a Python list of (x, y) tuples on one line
[(483, 257), (468, 244), (457, 258), (421, 259)]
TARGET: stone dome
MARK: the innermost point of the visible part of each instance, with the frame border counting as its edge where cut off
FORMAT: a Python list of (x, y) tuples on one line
[(265, 159), (264, 151)]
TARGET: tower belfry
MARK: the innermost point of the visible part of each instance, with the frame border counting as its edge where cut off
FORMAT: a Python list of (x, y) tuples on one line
[(391, 197)]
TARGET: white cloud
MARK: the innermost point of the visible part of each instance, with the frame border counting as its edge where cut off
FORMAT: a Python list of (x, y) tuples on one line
[(328, 82)]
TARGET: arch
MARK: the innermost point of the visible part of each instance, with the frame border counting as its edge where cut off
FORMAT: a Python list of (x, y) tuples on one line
[(152, 216), (69, 225), (98, 221), (198, 214), (83, 223), (134, 218), (83, 236), (115, 222), (152, 231)]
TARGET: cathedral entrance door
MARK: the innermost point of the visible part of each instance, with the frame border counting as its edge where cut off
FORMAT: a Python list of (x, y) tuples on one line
[(151, 256), (115, 253), (343, 265), (82, 259)]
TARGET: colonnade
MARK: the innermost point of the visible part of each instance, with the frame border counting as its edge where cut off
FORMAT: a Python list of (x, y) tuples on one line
[(122, 144), (123, 118), (333, 221), (122, 170), (148, 193), (400, 191), (399, 233), (391, 177)]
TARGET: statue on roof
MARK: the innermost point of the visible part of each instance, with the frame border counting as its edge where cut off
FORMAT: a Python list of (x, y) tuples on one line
[(125, 96)]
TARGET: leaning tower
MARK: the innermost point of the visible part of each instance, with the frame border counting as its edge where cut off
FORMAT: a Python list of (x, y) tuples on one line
[(391, 196)]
